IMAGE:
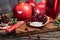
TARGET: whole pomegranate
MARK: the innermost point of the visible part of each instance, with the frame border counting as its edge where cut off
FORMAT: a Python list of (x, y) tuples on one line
[(31, 2), (22, 11), (40, 8)]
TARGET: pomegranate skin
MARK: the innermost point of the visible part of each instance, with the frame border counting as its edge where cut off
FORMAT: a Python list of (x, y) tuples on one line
[(40, 8), (22, 11), (31, 2)]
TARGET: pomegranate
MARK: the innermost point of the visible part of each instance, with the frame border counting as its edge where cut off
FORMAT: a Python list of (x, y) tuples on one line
[(22, 11), (40, 8), (31, 2), (38, 19), (5, 19)]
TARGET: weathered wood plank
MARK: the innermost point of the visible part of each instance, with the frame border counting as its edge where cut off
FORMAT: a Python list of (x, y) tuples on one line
[(48, 28)]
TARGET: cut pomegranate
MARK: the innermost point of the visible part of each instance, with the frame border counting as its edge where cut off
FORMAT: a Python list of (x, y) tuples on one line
[(38, 19), (4, 19)]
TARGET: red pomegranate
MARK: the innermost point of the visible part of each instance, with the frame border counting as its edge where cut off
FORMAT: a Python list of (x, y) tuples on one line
[(40, 8), (22, 11), (38, 18), (31, 2)]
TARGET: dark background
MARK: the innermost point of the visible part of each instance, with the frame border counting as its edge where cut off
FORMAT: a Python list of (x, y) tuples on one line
[(8, 5)]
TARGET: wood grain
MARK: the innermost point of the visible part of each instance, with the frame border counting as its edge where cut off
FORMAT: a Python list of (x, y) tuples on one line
[(31, 30), (21, 31)]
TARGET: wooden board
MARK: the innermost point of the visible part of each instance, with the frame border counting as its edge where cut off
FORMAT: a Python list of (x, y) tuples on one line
[(26, 30), (31, 30)]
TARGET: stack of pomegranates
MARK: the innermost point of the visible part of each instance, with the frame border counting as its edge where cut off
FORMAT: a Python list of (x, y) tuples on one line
[(23, 11), (29, 12)]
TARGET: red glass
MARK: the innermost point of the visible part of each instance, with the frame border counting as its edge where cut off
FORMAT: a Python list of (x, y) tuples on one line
[(59, 6), (52, 8)]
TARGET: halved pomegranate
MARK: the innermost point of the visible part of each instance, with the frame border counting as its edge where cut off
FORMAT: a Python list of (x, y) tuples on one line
[(38, 20)]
